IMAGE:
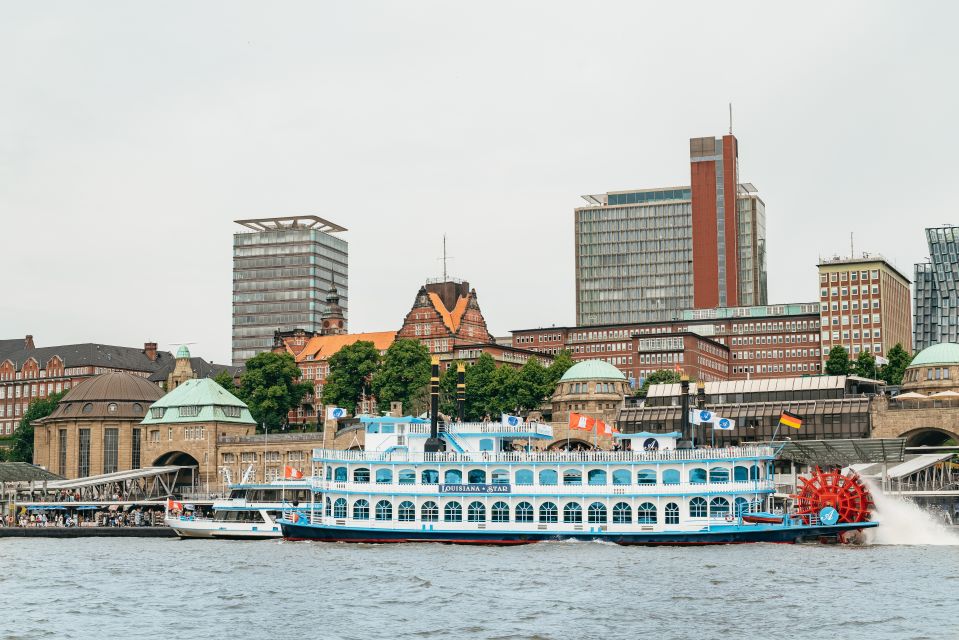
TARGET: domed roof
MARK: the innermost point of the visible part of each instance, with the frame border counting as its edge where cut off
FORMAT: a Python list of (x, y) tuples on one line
[(942, 353), (593, 370), (115, 385), (183, 352)]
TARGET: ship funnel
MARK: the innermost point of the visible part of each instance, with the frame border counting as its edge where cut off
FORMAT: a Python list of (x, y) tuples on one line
[(434, 444), (460, 391)]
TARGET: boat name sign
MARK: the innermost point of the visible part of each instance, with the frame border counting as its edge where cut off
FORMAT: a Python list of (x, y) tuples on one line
[(475, 488)]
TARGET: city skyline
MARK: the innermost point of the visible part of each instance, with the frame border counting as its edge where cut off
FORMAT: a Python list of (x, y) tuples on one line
[(136, 166)]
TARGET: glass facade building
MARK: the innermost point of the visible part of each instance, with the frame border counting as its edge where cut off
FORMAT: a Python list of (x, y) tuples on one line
[(935, 297), (282, 272)]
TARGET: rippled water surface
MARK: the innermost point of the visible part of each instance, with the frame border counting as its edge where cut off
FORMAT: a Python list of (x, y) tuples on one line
[(147, 588)]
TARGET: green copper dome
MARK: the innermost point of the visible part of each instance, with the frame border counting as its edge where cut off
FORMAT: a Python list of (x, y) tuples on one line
[(943, 353), (183, 352), (593, 370)]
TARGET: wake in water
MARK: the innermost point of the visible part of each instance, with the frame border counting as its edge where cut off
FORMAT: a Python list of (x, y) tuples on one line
[(902, 522)]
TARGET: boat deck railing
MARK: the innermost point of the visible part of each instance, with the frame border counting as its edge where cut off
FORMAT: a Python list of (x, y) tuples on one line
[(747, 486)]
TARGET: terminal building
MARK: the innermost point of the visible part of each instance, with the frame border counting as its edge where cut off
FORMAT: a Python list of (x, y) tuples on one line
[(937, 289)]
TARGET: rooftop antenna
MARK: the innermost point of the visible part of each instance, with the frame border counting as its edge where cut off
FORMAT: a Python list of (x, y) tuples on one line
[(444, 259), (852, 250)]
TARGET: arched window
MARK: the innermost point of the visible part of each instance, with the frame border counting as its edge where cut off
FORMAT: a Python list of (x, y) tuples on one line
[(547, 477), (339, 508), (329, 473), (476, 512), (697, 476), (453, 476), (430, 476), (719, 507), (329, 507), (697, 507), (754, 472), (477, 476), (572, 476), (740, 474), (406, 512), (596, 477), (453, 512), (339, 475), (524, 476), (384, 476), (500, 476), (596, 513), (719, 474), (547, 512), (646, 476), (671, 476), (524, 512), (407, 476), (646, 513), (361, 510), (740, 506), (621, 476), (429, 512), (500, 512), (622, 513), (384, 510), (486, 444), (672, 513), (572, 512), (361, 475)]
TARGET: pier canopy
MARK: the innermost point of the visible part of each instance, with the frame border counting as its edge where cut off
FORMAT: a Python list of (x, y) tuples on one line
[(137, 485), (842, 452)]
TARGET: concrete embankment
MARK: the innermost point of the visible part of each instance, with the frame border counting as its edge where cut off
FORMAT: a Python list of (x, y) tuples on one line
[(87, 532)]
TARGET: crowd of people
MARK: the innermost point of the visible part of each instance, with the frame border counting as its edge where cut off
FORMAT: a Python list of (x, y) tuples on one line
[(136, 517)]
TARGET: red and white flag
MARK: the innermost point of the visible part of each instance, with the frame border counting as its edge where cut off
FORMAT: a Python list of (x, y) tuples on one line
[(289, 473), (606, 429), (173, 505), (581, 422)]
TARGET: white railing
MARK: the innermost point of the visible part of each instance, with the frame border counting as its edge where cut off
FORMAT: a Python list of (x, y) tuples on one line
[(611, 490), (532, 428), (565, 457)]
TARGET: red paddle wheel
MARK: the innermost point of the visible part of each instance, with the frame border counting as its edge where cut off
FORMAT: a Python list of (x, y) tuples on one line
[(847, 494)]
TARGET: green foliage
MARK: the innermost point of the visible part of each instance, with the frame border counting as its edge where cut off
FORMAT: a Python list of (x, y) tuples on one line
[(899, 359), (555, 371), (225, 380), (480, 387), (837, 364), (403, 375), (351, 373), (22, 446), (448, 390), (270, 389), (865, 365), (662, 376), (533, 384)]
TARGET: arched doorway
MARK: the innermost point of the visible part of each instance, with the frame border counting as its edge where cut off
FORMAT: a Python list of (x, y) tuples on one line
[(929, 437), (185, 479), (570, 444)]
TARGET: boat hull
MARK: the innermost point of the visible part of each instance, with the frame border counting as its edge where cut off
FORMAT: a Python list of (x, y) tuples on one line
[(207, 529)]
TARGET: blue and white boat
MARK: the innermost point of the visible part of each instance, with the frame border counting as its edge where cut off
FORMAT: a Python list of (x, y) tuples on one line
[(492, 485)]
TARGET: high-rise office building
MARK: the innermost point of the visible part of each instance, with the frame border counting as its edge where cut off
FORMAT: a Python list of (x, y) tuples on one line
[(648, 255), (936, 295), (283, 269)]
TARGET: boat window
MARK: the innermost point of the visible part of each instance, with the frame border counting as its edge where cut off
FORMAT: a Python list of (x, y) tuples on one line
[(672, 513), (329, 507), (572, 512), (373, 427), (741, 474), (621, 476), (429, 512), (719, 474), (236, 494), (622, 513), (500, 512), (524, 476), (646, 476), (387, 428), (697, 476), (741, 506), (476, 512), (384, 476), (524, 512), (477, 476), (361, 510), (407, 476), (697, 507), (361, 475), (671, 476), (500, 476), (384, 510), (329, 473), (406, 512), (340, 474), (453, 512), (453, 476), (596, 514), (430, 476), (719, 507), (486, 444), (596, 477), (646, 513), (547, 477), (754, 472), (547, 512), (572, 476), (339, 508)]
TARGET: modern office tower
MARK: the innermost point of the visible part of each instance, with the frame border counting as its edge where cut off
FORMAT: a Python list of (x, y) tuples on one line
[(937, 290), (648, 255), (864, 305), (283, 269)]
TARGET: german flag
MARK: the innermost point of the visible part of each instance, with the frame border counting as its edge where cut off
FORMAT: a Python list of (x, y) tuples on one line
[(790, 420)]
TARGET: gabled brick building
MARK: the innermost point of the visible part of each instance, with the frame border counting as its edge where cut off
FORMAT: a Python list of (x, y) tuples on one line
[(444, 315)]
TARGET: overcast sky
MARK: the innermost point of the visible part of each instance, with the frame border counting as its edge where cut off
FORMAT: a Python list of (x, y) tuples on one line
[(133, 134)]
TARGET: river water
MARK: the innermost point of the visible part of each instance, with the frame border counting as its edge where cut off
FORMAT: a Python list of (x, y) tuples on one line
[(167, 588)]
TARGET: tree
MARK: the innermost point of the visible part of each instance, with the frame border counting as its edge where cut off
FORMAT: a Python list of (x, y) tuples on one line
[(662, 376), (403, 375), (533, 385), (448, 390), (270, 388), (899, 359), (351, 372), (505, 392), (225, 380), (865, 366), (555, 371), (837, 364), (22, 447), (480, 387)]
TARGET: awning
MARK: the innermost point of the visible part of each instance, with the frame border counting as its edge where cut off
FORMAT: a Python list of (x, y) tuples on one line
[(842, 452)]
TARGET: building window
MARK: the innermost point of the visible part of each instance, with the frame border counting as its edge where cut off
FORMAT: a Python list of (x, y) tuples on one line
[(156, 412), (83, 453), (135, 450), (62, 453), (110, 449), (189, 411), (231, 412)]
